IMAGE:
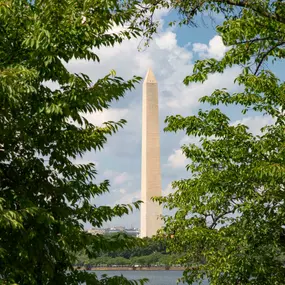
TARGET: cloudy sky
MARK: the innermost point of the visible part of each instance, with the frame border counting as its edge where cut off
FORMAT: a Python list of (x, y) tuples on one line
[(171, 56)]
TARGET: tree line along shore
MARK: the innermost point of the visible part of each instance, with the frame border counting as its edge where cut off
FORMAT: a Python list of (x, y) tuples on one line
[(148, 254), (129, 268)]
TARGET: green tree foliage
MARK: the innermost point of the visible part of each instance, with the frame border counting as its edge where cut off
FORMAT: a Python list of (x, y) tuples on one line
[(153, 259), (44, 195), (141, 247), (230, 211), (145, 246), (145, 252)]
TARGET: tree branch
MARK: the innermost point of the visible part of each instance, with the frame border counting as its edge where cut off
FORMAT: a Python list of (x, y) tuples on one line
[(254, 40), (254, 7), (266, 54), (217, 218)]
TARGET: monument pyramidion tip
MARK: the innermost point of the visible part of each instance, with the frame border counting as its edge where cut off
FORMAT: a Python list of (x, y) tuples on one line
[(150, 78)]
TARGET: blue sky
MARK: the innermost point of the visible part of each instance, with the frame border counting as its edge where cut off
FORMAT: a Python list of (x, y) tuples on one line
[(171, 56)]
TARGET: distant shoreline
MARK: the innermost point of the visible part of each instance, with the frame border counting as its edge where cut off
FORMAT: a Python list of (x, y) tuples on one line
[(132, 268)]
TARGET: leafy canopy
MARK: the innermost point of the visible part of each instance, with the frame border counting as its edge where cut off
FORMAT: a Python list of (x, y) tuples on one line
[(45, 196), (230, 211)]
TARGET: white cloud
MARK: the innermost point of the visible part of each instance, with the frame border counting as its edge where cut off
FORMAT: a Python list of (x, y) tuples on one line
[(108, 173), (85, 160), (168, 190), (112, 114), (121, 178), (129, 197), (185, 98), (177, 159), (118, 178), (160, 13), (255, 123), (122, 191), (190, 140), (215, 48), (167, 41)]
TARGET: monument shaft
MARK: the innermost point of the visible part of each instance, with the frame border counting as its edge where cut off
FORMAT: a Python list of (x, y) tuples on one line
[(150, 172)]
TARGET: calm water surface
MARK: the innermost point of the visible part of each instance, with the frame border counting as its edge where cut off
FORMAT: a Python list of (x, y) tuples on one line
[(155, 277)]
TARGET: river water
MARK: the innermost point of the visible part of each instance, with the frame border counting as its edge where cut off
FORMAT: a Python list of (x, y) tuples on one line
[(155, 277)]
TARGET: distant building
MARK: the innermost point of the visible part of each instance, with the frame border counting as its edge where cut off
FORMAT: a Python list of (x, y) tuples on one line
[(95, 231), (120, 228), (130, 231), (133, 232)]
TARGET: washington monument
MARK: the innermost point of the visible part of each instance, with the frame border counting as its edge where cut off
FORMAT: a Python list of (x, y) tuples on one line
[(150, 171)]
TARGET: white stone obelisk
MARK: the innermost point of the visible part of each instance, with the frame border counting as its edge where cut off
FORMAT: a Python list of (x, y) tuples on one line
[(150, 172)]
